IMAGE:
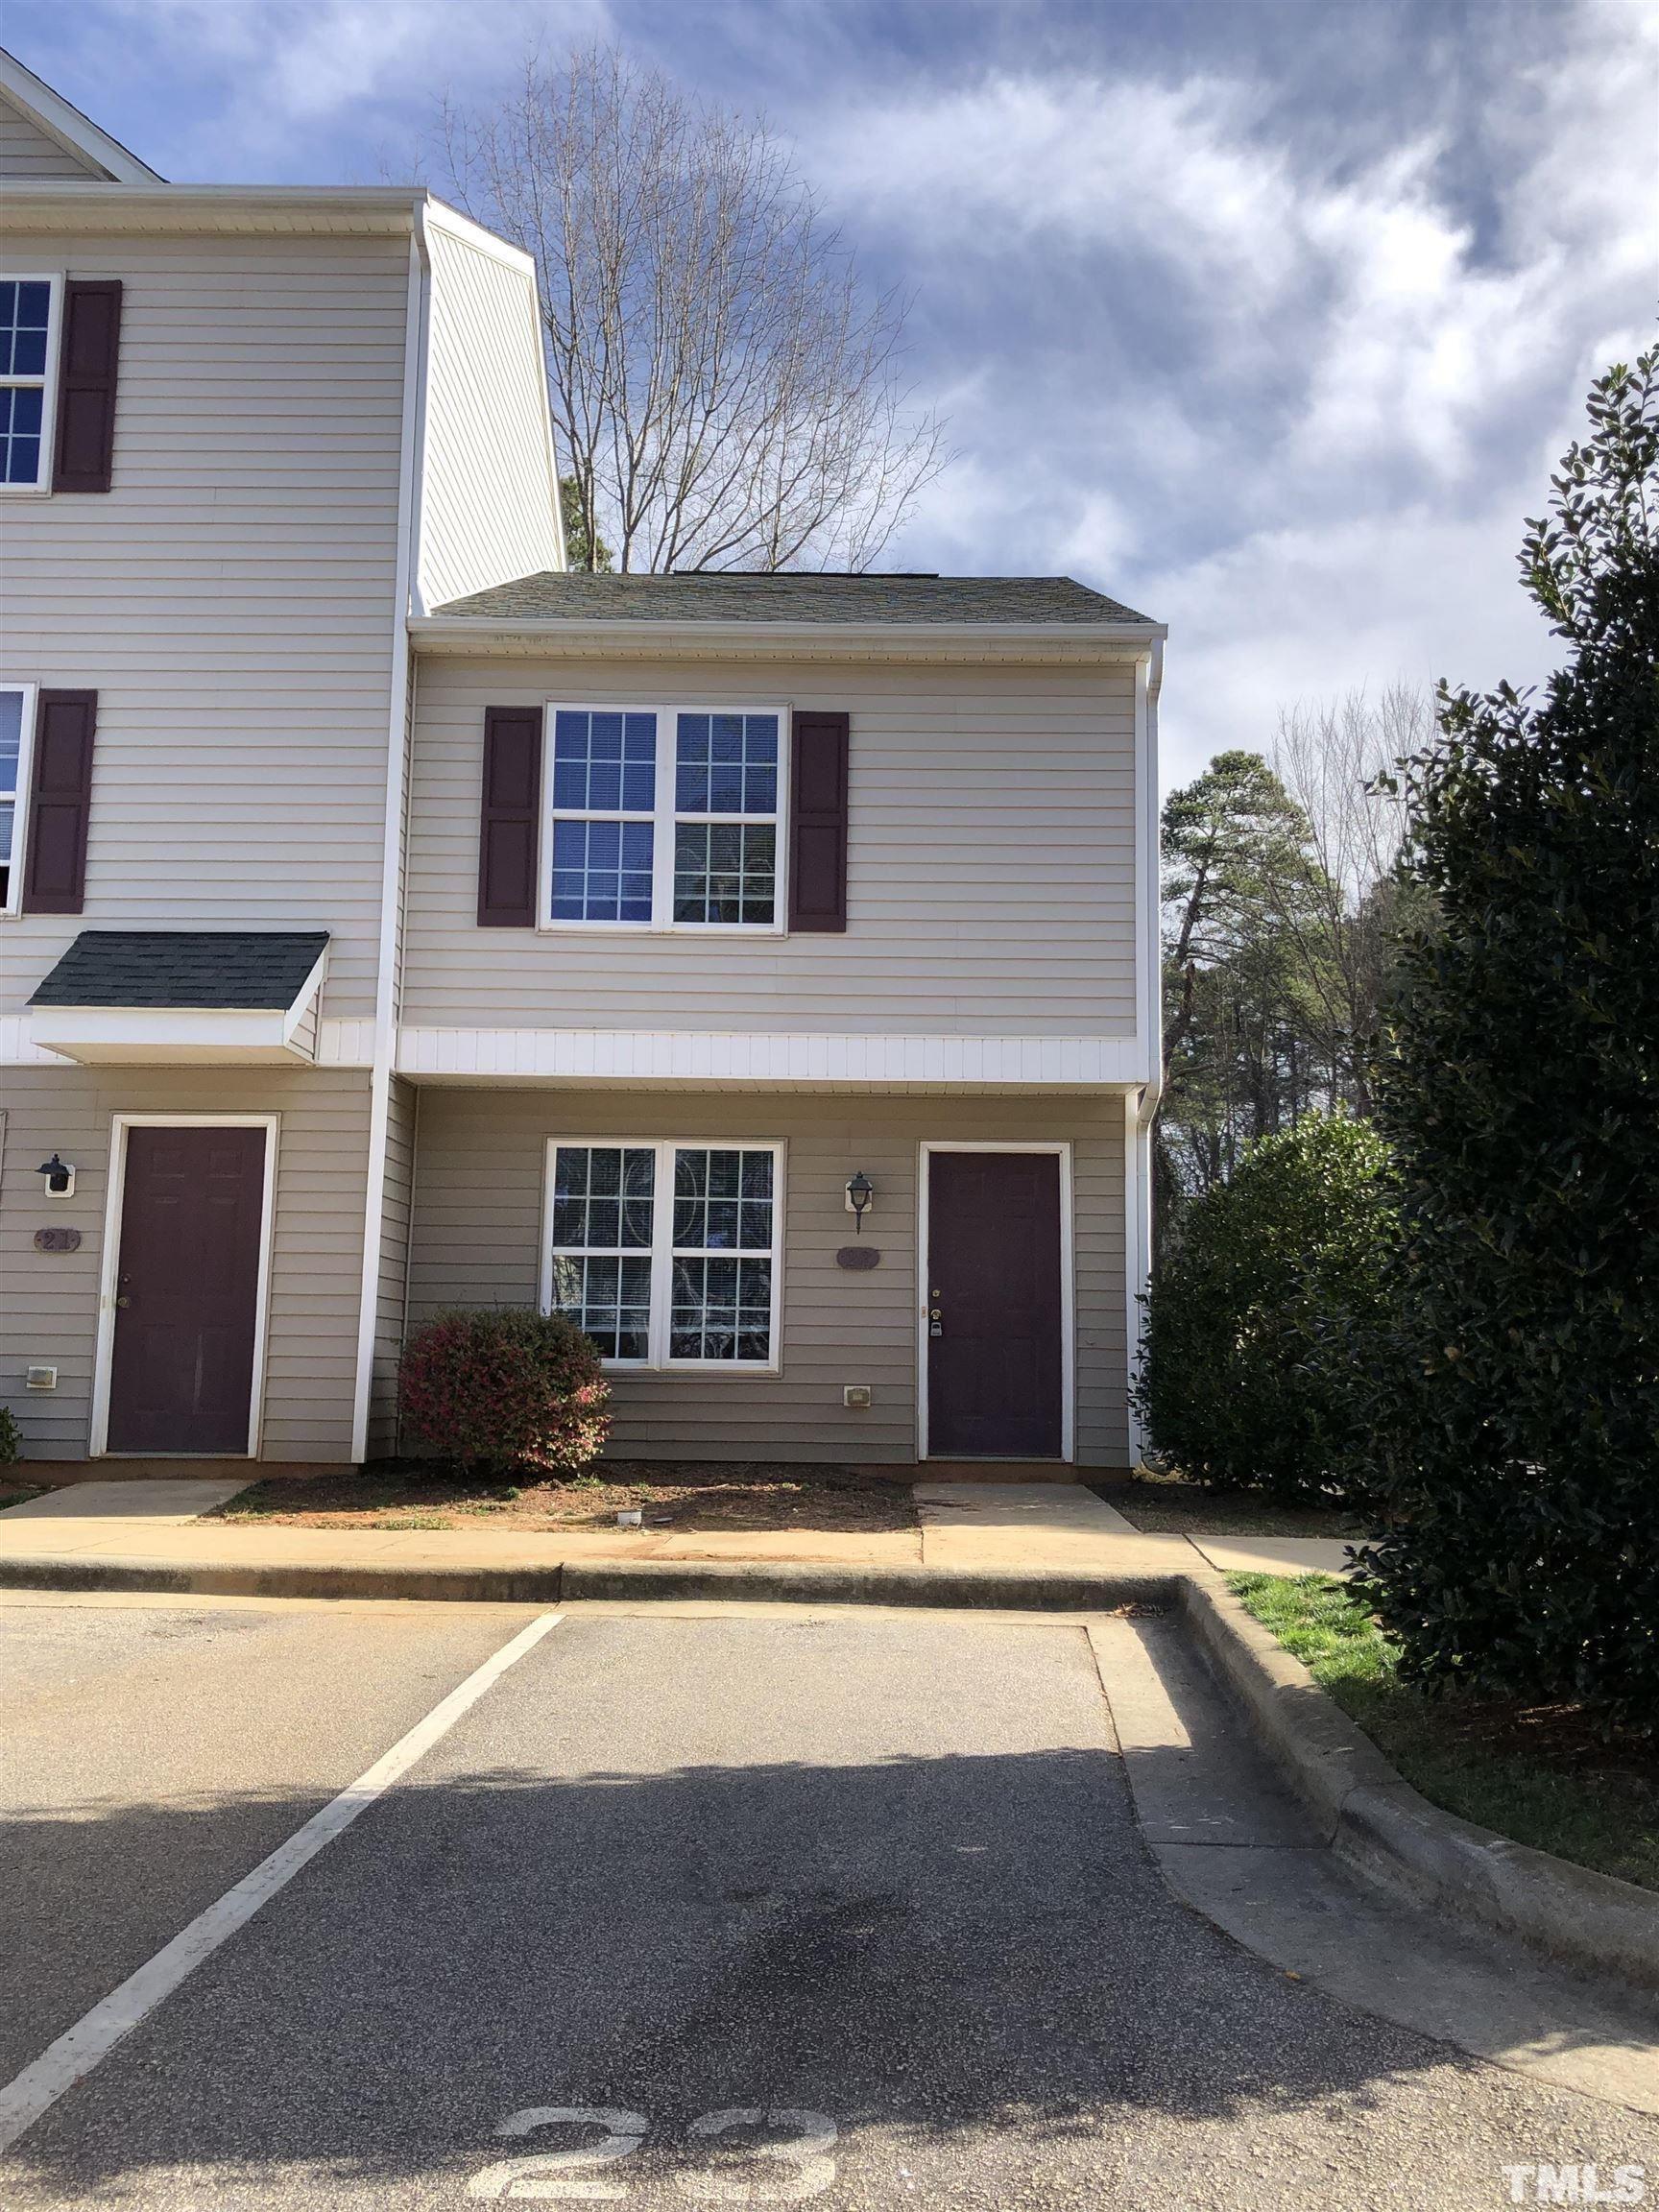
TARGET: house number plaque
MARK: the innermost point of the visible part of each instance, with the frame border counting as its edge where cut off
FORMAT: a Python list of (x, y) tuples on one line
[(56, 1239), (858, 1258)]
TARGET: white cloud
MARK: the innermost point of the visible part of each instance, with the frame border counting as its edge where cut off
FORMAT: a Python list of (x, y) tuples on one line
[(1284, 361), (1295, 403), (288, 73)]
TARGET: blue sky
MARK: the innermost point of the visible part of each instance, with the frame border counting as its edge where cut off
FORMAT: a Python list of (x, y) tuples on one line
[(1269, 319)]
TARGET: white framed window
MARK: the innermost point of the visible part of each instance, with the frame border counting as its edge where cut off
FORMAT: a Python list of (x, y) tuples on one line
[(665, 818), (17, 758), (667, 1251), (30, 312)]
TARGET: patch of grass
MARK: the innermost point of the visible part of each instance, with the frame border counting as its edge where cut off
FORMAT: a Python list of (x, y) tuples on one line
[(20, 1493), (1161, 1503), (413, 1520), (1544, 1774)]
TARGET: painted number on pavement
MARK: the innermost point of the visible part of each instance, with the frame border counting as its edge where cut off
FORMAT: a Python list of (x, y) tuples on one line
[(805, 2168)]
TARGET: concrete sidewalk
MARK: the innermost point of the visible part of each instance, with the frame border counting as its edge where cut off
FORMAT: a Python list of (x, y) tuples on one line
[(1023, 1528)]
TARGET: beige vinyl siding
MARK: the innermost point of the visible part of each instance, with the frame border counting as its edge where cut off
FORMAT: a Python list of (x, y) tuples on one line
[(477, 1242), (232, 600), (487, 510), (402, 1114), (49, 1301), (989, 879), (26, 151)]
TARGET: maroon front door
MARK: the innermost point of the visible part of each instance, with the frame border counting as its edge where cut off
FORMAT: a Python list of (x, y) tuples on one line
[(186, 1290), (994, 1306)]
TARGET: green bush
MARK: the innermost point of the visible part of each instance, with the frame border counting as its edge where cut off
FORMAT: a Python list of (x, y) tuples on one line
[(1243, 1378), (498, 1390), (10, 1438), (1513, 1407)]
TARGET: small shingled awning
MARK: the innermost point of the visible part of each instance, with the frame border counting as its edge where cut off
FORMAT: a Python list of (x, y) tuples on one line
[(184, 996)]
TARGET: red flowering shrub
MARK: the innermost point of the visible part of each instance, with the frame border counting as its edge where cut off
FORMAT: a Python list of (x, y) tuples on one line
[(504, 1390)]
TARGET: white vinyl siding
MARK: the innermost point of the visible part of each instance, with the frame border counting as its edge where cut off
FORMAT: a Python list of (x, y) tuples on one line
[(233, 599), (402, 1116), (979, 904), (477, 1241), (489, 510), (49, 1301)]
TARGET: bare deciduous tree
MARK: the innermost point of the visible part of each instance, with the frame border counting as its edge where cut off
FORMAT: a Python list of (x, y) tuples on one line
[(1334, 757), (726, 388)]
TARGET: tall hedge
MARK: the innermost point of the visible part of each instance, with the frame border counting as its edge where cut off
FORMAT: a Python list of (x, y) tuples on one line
[(1512, 1405), (1242, 1378)]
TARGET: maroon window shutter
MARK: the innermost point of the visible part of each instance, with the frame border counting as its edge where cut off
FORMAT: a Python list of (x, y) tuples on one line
[(508, 842), (87, 363), (59, 803), (818, 823)]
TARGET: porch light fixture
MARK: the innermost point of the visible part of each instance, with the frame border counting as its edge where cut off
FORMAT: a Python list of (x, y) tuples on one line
[(860, 1191), (60, 1177)]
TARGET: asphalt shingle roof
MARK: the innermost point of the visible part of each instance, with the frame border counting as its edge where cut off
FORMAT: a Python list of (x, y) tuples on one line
[(725, 595), (246, 969)]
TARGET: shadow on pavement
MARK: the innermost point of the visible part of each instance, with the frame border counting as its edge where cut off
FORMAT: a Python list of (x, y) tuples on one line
[(968, 1963)]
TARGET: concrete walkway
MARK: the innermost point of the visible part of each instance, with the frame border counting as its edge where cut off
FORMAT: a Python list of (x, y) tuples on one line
[(1024, 1525), (169, 1503)]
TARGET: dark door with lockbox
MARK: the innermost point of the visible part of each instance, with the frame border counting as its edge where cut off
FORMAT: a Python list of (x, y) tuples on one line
[(187, 1290), (994, 1306)]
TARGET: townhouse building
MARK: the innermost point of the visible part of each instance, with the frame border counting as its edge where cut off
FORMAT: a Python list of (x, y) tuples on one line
[(762, 968)]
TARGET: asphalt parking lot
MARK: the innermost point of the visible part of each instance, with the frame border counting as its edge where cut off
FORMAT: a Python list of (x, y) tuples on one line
[(728, 1908)]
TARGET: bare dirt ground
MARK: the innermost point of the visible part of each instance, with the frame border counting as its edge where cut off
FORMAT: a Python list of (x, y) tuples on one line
[(689, 1495)]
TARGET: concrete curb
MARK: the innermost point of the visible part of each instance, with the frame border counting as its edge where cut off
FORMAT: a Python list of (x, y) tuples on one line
[(1389, 1831), (736, 1580)]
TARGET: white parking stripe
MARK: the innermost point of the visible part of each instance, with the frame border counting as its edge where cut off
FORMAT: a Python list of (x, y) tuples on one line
[(96, 2034)]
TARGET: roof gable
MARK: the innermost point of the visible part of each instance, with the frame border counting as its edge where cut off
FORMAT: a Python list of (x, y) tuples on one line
[(43, 136)]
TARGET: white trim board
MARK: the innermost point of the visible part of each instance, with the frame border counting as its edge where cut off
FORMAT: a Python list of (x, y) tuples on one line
[(47, 382), (1062, 1148), (584, 637), (97, 1444), (394, 829), (12, 905), (725, 1056)]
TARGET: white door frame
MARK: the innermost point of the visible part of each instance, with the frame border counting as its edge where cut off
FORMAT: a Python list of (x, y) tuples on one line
[(1067, 1284), (120, 1125)]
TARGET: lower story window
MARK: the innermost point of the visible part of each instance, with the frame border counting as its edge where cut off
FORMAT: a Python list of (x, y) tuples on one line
[(667, 1254)]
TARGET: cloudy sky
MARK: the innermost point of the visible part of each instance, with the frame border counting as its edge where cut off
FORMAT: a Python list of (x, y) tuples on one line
[(1269, 319)]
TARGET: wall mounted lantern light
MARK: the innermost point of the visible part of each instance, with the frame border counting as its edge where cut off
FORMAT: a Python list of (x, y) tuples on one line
[(60, 1177), (860, 1192)]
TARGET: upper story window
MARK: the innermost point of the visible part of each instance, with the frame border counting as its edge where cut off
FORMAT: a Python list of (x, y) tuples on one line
[(16, 735), (28, 371), (665, 818)]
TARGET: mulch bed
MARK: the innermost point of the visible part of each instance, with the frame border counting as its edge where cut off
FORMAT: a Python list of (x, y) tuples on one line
[(686, 1495)]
